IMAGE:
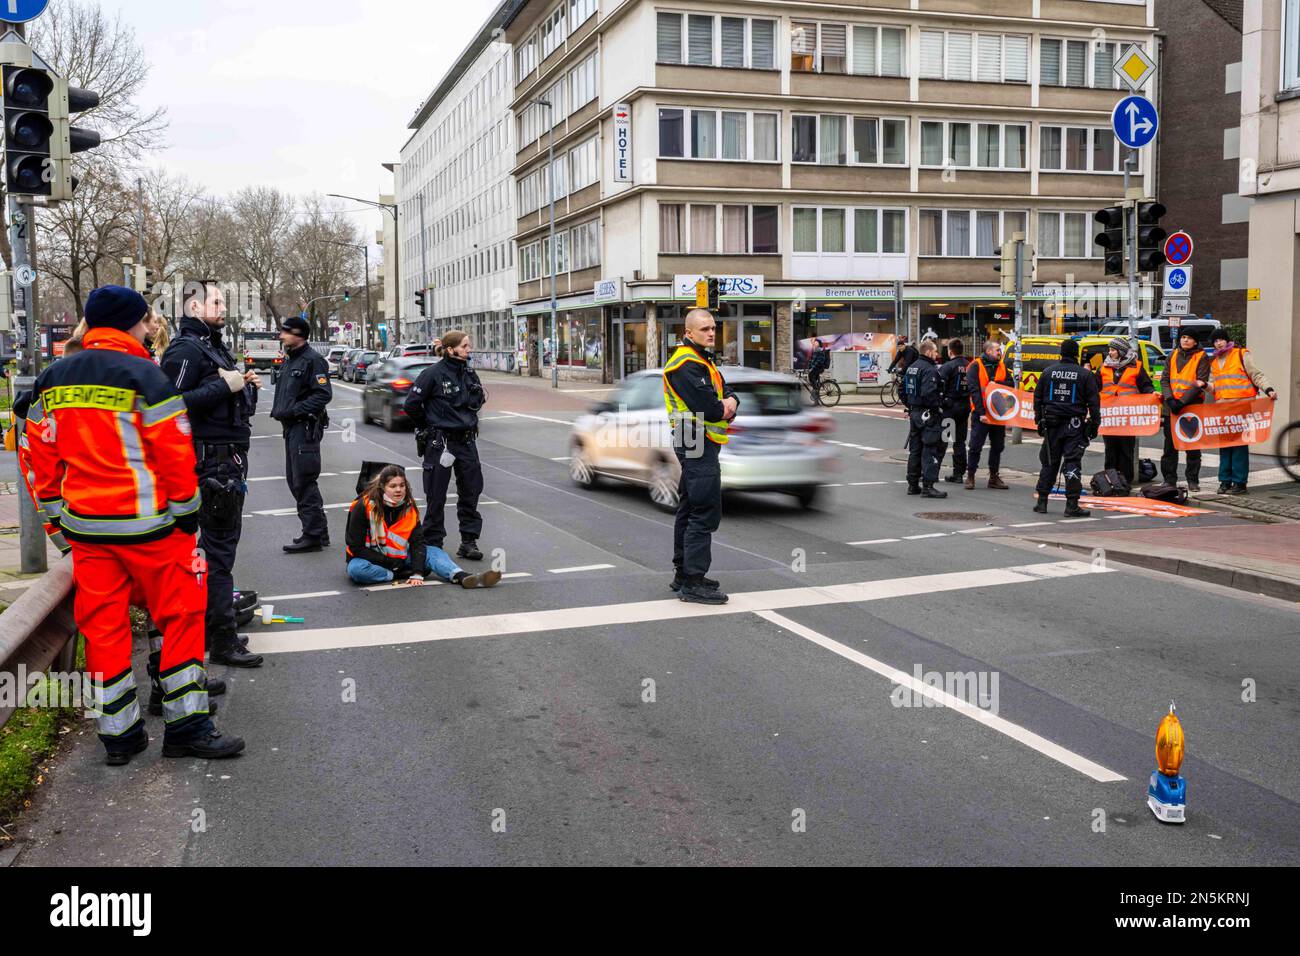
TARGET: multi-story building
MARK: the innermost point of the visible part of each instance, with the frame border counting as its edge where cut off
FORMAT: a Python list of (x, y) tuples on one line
[(389, 305), (814, 155), (1270, 180), (456, 204), (1200, 110)]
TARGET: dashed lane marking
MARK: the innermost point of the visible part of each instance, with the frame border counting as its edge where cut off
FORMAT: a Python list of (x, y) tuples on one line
[(647, 612), (585, 567), (298, 597), (849, 444), (877, 541), (944, 699), (539, 418)]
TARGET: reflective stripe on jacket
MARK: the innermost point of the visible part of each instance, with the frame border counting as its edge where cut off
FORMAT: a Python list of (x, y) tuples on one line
[(392, 541), (1182, 379), (678, 410), (1228, 378), (1127, 384)]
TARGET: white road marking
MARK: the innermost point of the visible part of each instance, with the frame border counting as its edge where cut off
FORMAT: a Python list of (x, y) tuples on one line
[(323, 474), (980, 530), (585, 567), (517, 574), (351, 388), (877, 541), (403, 587), (1031, 524), (919, 537), (646, 612), (298, 597), (1076, 520), (1122, 517), (538, 418), (564, 458), (1027, 737), (848, 444), (860, 484)]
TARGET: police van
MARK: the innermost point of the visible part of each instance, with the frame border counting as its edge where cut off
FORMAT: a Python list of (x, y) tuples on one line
[(1039, 351)]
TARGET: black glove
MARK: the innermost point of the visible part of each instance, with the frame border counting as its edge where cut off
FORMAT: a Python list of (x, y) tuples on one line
[(421, 442), (1093, 428), (1174, 405), (188, 523)]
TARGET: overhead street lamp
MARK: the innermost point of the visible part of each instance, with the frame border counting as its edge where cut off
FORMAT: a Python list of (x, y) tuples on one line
[(391, 209), (550, 188)]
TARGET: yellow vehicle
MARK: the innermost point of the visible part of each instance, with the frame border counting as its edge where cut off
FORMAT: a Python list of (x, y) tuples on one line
[(1039, 351)]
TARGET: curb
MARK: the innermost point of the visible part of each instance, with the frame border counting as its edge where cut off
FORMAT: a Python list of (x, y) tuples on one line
[(1222, 574)]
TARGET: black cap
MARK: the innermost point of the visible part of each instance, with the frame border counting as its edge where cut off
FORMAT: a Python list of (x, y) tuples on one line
[(297, 325)]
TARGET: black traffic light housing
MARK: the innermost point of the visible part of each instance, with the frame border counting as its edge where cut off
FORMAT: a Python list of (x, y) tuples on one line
[(347, 296), (29, 132), (1150, 236), (420, 298), (1111, 238)]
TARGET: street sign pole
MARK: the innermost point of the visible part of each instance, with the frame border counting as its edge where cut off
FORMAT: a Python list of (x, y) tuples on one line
[(1019, 240), (1130, 239)]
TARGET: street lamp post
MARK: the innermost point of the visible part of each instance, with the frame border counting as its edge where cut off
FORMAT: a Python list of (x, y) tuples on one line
[(390, 208), (370, 314), (550, 186)]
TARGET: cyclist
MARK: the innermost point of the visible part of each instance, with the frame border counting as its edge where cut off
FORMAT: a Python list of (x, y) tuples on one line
[(820, 362)]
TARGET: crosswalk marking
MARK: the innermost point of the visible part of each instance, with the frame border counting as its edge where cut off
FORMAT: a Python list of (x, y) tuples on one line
[(585, 567)]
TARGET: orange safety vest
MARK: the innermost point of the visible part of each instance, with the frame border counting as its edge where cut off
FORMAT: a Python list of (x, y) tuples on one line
[(1183, 380), (999, 376), (1126, 385), (395, 539), (1229, 380)]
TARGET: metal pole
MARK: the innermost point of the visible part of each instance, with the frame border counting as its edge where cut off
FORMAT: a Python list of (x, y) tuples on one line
[(1130, 237), (139, 220), (397, 271), (31, 533), (370, 313), (550, 178), (1017, 435), (424, 278)]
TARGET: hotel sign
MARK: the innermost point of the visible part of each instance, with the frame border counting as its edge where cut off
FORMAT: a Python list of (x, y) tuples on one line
[(623, 143)]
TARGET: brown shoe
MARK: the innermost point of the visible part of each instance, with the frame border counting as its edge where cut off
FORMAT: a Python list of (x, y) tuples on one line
[(995, 481), (970, 481)]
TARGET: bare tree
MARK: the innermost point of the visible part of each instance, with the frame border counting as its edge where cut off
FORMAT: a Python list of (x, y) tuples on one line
[(83, 241), (262, 219), (170, 215), (325, 260)]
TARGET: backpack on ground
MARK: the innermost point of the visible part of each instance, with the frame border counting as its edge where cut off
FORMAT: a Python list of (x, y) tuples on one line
[(1146, 471), (1110, 484), (1165, 492)]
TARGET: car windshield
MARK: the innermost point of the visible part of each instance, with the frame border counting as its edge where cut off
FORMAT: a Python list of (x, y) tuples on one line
[(768, 397), (368, 356)]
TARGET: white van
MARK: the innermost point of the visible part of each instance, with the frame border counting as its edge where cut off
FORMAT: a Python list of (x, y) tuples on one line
[(1157, 330)]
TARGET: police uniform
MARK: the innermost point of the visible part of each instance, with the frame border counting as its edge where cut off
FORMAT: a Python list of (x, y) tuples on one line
[(443, 404), (1067, 407), (222, 426), (302, 393), (956, 409), (694, 391), (923, 395)]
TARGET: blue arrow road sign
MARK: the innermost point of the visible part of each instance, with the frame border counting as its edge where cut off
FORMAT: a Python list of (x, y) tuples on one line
[(1134, 120), (20, 11)]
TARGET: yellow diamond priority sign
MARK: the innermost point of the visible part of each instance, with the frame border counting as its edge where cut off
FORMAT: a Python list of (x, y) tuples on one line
[(1134, 67)]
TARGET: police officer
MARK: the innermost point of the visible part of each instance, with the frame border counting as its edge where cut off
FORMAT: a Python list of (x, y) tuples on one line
[(302, 393), (923, 396), (956, 408), (699, 406), (443, 404), (1067, 407), (220, 400)]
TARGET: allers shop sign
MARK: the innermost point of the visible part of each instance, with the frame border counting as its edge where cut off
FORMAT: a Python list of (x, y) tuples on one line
[(740, 287), (623, 143)]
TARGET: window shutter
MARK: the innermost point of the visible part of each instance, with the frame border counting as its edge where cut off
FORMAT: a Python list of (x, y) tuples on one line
[(700, 40), (891, 52), (670, 38), (1076, 63), (864, 51), (1103, 60), (990, 59), (1049, 62), (733, 41), (959, 56), (1016, 67), (762, 43), (931, 55), (834, 41)]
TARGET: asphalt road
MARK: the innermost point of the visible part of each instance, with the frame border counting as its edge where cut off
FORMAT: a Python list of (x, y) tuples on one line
[(577, 714)]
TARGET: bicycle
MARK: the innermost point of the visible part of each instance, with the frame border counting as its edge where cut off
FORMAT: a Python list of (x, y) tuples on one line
[(889, 397), (828, 393), (1290, 461)]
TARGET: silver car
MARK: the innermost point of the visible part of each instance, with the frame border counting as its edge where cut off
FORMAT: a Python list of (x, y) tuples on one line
[(777, 440)]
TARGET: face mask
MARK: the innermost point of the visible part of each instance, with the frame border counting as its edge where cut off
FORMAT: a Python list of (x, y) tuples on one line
[(393, 502)]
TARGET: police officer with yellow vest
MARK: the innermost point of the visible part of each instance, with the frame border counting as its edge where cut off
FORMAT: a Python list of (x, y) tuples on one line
[(699, 407)]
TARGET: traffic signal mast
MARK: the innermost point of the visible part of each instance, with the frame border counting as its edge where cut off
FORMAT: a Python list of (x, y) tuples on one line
[(1133, 240)]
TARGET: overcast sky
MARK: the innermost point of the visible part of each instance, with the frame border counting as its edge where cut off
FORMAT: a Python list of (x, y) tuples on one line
[(305, 95)]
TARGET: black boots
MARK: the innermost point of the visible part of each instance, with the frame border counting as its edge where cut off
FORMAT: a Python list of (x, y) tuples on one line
[(913, 489), (1041, 507), (229, 650), (678, 581), (214, 746), (694, 591), (1072, 509), (120, 758), (484, 579), (930, 491), (469, 550), (304, 546)]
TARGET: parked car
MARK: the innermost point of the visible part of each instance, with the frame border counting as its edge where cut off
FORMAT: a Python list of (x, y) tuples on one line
[(406, 351), (777, 440), (345, 366), (386, 390), (335, 360), (362, 363)]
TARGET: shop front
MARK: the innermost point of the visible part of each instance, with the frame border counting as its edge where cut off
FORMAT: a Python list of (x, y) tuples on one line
[(575, 345), (848, 318)]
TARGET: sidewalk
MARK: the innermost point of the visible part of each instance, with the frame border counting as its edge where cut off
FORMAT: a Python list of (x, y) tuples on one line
[(12, 581), (1261, 558)]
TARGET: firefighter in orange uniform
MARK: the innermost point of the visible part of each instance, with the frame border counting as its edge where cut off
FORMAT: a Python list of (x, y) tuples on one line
[(114, 470)]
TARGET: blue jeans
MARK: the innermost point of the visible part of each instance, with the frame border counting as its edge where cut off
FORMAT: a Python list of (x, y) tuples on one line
[(437, 562), (1234, 464)]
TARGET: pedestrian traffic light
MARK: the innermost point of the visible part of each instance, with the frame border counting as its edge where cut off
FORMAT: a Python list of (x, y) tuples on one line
[(68, 139), (420, 299), (1007, 267), (1150, 236), (1111, 238), (28, 130)]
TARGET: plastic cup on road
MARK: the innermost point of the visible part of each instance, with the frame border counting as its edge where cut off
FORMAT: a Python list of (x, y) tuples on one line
[(268, 612)]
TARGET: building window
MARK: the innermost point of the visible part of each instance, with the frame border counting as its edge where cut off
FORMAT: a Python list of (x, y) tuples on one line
[(1080, 63), (742, 42), (831, 140), (582, 83), (526, 58), (1078, 149), (553, 31), (1066, 235), (743, 230), (584, 164), (579, 11), (744, 135), (973, 145), (878, 51), (967, 232), (1291, 45), (585, 243), (836, 231), (982, 57)]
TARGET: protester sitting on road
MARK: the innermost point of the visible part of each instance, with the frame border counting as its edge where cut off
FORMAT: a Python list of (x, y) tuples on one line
[(1234, 377), (1122, 376), (384, 538)]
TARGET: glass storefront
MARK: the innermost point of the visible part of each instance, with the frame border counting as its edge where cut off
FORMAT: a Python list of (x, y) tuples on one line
[(973, 323), (579, 341), (746, 333), (628, 344), (846, 325)]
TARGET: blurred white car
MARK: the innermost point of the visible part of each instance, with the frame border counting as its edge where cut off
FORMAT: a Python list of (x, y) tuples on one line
[(777, 440)]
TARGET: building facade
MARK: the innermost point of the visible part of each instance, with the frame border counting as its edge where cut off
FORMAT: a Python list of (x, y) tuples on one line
[(456, 205), (385, 275), (849, 171), (1200, 108), (1270, 181)]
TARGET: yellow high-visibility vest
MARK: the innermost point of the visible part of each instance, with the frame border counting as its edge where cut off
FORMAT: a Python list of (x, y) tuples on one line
[(678, 410)]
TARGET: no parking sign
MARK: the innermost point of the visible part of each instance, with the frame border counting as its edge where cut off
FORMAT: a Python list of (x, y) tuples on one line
[(1178, 248)]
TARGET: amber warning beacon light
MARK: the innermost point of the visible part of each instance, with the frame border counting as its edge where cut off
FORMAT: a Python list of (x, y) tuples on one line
[(1167, 792)]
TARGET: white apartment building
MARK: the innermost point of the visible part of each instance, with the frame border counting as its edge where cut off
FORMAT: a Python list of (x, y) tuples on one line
[(456, 205), (386, 238), (814, 154)]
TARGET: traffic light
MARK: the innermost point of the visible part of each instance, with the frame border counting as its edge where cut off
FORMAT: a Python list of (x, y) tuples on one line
[(68, 139), (1112, 238), (142, 278), (28, 130), (707, 293), (1011, 284), (1007, 267), (1150, 236), (347, 296), (420, 299)]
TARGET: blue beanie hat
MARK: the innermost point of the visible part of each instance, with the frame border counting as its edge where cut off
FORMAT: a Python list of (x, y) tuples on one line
[(115, 307)]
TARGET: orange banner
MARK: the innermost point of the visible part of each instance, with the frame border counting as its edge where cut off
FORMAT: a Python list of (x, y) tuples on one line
[(1223, 424), (1148, 507), (1009, 406), (1133, 415)]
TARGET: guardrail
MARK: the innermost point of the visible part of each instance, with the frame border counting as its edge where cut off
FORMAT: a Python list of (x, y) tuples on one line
[(38, 629)]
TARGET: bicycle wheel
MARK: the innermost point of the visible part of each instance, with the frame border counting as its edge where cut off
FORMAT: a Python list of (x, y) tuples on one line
[(830, 394), (889, 395), (1290, 462)]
